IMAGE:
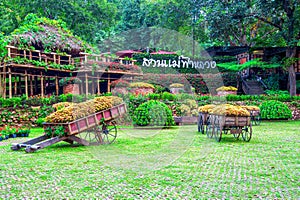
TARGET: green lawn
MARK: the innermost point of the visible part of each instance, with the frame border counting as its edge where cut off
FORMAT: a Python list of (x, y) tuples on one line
[(177, 163)]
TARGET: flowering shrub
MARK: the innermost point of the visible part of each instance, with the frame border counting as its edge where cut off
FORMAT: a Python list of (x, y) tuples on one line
[(227, 88), (176, 85), (141, 85), (119, 83)]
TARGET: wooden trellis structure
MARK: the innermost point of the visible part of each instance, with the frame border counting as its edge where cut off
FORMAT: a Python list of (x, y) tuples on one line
[(18, 78)]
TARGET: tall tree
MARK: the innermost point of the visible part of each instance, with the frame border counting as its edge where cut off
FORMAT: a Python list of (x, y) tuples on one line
[(87, 18), (249, 22)]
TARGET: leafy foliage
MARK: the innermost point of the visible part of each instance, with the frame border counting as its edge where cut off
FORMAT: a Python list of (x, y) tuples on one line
[(153, 113), (275, 110), (233, 66)]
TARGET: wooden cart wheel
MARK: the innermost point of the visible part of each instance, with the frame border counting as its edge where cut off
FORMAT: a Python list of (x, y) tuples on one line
[(201, 124), (92, 136), (209, 127), (236, 135), (217, 129), (247, 133), (109, 132), (257, 120)]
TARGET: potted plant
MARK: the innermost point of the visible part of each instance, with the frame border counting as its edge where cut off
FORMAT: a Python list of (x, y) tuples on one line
[(141, 88), (225, 90), (119, 86), (70, 85), (176, 88), (35, 102)]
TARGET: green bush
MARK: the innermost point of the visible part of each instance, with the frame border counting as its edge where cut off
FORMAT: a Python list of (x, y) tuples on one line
[(168, 96), (40, 122), (275, 110), (153, 96), (134, 102), (153, 113)]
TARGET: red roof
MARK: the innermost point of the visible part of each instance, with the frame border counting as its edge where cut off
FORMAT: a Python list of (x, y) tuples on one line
[(127, 53), (164, 52)]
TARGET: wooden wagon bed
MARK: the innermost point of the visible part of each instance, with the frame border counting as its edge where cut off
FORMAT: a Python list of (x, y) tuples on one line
[(95, 129)]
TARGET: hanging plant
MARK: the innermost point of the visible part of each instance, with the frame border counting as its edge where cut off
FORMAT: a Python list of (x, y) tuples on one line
[(69, 80)]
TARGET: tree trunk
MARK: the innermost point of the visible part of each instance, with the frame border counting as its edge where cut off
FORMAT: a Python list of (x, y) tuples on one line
[(290, 53)]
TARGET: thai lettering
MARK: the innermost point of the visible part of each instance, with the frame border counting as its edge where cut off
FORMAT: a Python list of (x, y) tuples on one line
[(182, 62)]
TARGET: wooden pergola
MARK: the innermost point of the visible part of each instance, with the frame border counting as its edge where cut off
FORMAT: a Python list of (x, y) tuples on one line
[(28, 79)]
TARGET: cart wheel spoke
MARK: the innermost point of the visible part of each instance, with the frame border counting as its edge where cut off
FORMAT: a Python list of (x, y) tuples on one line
[(236, 135), (109, 133), (201, 125), (247, 133), (218, 133), (209, 128), (257, 120), (217, 129)]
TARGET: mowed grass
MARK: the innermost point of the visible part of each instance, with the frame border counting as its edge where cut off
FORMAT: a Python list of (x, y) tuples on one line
[(176, 163)]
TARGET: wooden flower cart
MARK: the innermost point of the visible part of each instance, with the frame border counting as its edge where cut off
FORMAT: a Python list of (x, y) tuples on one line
[(95, 129), (255, 117), (235, 125), (202, 121)]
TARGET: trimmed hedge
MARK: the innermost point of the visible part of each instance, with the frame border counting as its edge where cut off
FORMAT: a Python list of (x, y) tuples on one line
[(275, 110), (153, 113)]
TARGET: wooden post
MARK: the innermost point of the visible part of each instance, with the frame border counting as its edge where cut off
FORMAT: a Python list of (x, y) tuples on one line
[(31, 86), (35, 84), (26, 84), (108, 83), (42, 85), (15, 85), (56, 85), (93, 86), (30, 55), (81, 86), (20, 84), (9, 82), (86, 84), (98, 85), (4, 81), (8, 52)]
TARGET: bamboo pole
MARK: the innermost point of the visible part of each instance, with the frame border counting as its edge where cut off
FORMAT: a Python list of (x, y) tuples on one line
[(81, 86), (10, 82), (98, 85), (4, 81), (108, 83), (20, 83), (26, 84), (15, 85), (93, 86), (8, 52), (42, 85), (86, 84), (35, 84), (56, 86), (31, 86)]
